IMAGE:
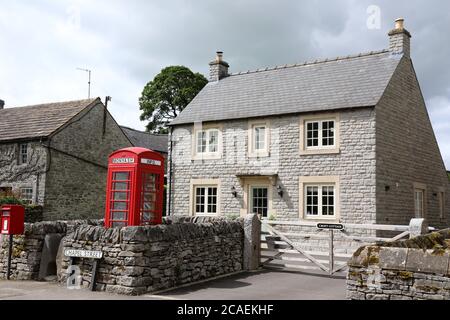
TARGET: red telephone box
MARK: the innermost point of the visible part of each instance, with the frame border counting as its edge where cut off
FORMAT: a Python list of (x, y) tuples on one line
[(12, 219), (134, 191)]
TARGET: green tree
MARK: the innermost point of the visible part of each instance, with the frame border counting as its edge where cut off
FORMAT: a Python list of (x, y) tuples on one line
[(167, 95)]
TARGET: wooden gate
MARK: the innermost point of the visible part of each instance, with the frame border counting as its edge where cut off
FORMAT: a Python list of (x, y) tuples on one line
[(279, 250)]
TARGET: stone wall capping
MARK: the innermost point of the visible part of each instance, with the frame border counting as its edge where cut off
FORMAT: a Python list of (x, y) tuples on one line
[(428, 261), (393, 258), (417, 268)]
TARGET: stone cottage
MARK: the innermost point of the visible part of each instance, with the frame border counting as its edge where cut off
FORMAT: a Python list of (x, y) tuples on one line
[(344, 140), (56, 155)]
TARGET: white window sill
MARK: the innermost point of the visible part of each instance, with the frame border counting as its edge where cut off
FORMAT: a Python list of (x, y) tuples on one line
[(321, 218), (320, 151), (207, 157), (262, 154)]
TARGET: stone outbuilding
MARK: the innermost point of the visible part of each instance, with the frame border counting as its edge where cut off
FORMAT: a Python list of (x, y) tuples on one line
[(56, 154)]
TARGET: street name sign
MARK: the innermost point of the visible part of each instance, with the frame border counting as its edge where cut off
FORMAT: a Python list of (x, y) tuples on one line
[(75, 253)]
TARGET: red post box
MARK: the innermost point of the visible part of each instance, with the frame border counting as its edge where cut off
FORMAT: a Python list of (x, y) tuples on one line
[(135, 187), (12, 219)]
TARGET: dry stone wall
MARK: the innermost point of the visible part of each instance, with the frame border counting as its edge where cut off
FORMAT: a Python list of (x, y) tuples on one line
[(137, 260), (27, 248), (415, 269)]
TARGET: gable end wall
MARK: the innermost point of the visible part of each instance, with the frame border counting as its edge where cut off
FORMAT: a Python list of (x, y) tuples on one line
[(75, 189), (407, 152)]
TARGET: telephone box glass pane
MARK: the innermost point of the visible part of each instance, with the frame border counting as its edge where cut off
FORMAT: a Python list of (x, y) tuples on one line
[(149, 206), (148, 196), (120, 215), (147, 216), (120, 186), (6, 213), (120, 206), (118, 224), (121, 176), (121, 196)]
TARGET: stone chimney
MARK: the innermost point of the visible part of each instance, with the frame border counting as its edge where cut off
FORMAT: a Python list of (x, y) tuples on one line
[(218, 69), (2, 104), (399, 39)]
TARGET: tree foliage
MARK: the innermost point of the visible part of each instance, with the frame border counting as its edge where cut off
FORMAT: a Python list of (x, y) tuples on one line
[(167, 95)]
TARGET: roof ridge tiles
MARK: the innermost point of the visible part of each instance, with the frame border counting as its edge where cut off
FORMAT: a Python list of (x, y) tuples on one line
[(144, 132), (70, 102), (312, 62)]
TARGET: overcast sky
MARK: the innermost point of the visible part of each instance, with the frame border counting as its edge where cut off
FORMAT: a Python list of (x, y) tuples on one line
[(126, 43)]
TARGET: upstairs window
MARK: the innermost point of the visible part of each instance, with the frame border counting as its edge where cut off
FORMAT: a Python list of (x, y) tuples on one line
[(23, 153), (207, 143), (258, 139), (320, 134)]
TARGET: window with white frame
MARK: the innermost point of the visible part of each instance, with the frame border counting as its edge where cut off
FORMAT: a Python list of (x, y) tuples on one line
[(258, 139), (320, 134), (26, 195), (23, 153), (206, 200), (419, 202), (207, 142), (320, 201)]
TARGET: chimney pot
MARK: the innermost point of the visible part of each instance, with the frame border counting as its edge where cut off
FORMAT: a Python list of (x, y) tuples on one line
[(399, 24), (219, 56), (2, 104)]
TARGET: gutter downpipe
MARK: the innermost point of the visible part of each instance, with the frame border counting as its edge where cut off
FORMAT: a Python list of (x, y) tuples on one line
[(169, 211)]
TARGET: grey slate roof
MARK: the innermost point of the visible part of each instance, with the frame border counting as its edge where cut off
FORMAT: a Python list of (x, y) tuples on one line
[(38, 121), (156, 142), (353, 81)]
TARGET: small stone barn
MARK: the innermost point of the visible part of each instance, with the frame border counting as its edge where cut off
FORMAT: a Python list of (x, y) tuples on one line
[(55, 155)]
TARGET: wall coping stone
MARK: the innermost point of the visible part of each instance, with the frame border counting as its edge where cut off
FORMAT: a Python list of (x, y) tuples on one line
[(428, 253)]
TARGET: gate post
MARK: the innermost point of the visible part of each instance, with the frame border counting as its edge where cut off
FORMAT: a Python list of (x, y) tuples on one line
[(331, 248), (417, 227), (252, 242)]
